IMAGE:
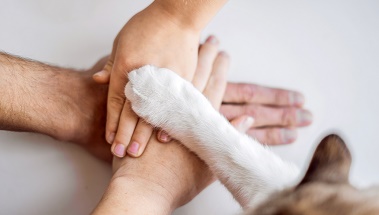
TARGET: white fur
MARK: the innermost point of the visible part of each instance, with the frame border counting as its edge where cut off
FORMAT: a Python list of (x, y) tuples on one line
[(249, 170)]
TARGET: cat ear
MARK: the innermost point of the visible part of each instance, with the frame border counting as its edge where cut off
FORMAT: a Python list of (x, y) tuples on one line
[(330, 163)]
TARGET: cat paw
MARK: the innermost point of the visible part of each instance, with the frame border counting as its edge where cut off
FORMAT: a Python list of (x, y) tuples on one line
[(157, 94)]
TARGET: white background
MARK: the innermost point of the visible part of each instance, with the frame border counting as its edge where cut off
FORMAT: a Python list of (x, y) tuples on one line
[(326, 49)]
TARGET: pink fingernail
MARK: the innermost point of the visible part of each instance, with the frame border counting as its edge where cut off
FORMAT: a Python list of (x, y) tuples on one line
[(100, 73), (110, 138), (119, 150), (212, 39), (163, 136), (288, 136), (133, 148), (296, 99), (303, 117)]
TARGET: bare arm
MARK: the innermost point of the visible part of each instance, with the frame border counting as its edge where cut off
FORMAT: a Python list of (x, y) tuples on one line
[(41, 98)]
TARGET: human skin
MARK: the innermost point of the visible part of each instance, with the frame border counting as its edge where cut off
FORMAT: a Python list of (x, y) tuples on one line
[(277, 112), (165, 34), (166, 176), (66, 116)]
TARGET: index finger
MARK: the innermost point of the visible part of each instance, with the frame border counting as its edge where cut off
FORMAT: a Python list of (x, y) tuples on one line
[(252, 93)]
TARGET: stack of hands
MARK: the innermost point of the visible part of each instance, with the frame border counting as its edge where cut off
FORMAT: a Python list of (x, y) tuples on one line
[(167, 175)]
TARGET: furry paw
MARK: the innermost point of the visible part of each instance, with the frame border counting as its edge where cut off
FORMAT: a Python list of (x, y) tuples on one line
[(162, 97)]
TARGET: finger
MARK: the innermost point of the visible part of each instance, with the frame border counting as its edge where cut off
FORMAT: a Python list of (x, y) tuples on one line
[(216, 85), (102, 77), (273, 136), (269, 116), (115, 103), (125, 131), (207, 55), (163, 137), (243, 123), (140, 138), (251, 93)]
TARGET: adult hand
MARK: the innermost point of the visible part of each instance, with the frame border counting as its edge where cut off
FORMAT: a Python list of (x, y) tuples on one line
[(270, 115), (276, 112)]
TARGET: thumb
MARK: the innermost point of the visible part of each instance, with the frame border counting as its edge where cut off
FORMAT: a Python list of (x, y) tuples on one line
[(243, 123), (103, 76)]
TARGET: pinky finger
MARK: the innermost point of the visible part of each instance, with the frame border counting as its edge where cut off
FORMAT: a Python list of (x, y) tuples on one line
[(274, 136), (163, 137), (102, 77)]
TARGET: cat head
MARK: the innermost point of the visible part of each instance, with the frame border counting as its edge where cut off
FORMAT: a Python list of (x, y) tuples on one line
[(325, 188)]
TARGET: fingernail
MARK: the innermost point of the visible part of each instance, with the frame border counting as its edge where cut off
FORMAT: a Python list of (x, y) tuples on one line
[(133, 148), (303, 117), (296, 98), (100, 73), (288, 136), (163, 136), (212, 39), (119, 150), (246, 124), (110, 138)]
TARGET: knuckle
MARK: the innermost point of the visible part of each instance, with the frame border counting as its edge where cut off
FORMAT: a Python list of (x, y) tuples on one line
[(247, 92), (142, 134), (251, 110), (115, 101), (288, 116), (217, 80), (281, 97), (273, 136)]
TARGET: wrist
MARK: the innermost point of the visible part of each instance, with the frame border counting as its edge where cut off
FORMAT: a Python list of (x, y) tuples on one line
[(134, 195), (190, 14), (168, 12)]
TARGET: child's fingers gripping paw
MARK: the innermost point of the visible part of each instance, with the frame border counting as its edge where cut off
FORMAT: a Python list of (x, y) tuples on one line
[(126, 127), (140, 138)]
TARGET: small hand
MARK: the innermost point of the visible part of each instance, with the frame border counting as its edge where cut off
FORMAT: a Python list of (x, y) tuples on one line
[(150, 37), (142, 133)]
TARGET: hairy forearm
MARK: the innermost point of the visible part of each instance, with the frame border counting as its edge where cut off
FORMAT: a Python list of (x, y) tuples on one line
[(31, 92), (195, 14)]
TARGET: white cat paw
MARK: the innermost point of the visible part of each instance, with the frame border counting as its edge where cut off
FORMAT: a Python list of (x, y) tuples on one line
[(158, 95)]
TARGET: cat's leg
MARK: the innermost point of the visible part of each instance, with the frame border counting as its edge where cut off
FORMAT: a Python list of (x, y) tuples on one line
[(249, 170)]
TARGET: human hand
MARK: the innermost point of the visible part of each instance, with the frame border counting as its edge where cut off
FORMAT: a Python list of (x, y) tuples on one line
[(276, 112), (151, 37), (271, 115), (167, 175)]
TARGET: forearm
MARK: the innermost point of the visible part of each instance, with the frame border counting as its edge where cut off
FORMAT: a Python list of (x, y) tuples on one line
[(195, 14), (31, 92), (133, 196)]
